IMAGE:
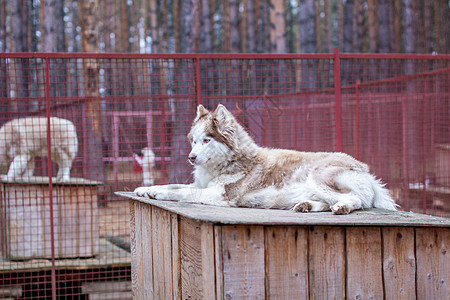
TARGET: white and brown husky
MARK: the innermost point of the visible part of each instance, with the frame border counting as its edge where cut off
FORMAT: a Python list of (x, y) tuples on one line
[(231, 170)]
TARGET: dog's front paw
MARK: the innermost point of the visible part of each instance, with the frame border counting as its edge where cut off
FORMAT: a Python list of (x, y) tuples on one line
[(340, 209), (145, 191), (302, 207)]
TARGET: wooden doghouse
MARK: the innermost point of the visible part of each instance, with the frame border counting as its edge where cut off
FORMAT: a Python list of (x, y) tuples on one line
[(190, 251), (25, 223)]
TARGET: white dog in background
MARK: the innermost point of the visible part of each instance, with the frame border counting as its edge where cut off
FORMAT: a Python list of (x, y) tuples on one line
[(231, 170), (147, 162), (23, 139)]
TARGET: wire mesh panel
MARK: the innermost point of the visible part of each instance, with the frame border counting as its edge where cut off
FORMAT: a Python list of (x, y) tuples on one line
[(77, 128)]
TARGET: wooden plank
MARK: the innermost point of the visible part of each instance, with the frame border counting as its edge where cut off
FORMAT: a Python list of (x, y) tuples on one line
[(133, 247), (243, 262), (251, 216), (105, 287), (191, 260), (14, 291), (219, 261), (146, 251), (432, 247), (197, 260), (111, 296), (176, 257), (110, 256), (327, 262), (286, 262), (399, 263), (364, 264), (208, 267), (136, 268), (162, 253)]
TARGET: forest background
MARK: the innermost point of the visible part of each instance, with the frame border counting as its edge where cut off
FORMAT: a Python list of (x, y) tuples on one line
[(235, 26)]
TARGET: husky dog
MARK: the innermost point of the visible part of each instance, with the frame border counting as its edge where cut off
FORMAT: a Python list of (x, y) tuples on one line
[(147, 162), (23, 139), (231, 170)]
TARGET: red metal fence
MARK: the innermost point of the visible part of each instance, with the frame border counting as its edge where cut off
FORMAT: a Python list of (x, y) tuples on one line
[(70, 238)]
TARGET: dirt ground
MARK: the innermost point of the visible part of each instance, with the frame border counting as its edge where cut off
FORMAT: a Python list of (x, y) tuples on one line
[(114, 219)]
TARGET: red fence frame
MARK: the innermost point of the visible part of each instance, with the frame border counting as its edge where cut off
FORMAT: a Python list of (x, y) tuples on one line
[(336, 92)]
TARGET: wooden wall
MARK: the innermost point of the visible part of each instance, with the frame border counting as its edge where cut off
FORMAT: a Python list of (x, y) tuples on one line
[(177, 257)]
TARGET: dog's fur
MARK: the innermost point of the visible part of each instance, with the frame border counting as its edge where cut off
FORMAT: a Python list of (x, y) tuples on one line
[(147, 162), (231, 170), (23, 139)]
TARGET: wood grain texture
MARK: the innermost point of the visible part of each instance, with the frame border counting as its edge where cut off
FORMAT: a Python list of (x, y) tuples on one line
[(327, 262), (218, 261), (135, 276), (251, 216), (176, 257), (286, 252), (364, 264), (433, 263), (146, 264), (243, 262), (208, 261), (162, 254), (399, 263), (197, 260), (26, 226)]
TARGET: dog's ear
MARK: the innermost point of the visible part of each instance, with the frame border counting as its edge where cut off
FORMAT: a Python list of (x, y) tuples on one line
[(224, 120), (201, 111)]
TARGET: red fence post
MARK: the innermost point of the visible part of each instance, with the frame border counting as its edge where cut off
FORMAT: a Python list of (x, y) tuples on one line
[(338, 101)]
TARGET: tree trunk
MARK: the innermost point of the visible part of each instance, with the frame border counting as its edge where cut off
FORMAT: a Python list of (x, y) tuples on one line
[(184, 108), (251, 26), (154, 28), (207, 28), (122, 42), (243, 27), (89, 38), (4, 106), (327, 46), (263, 27), (176, 25), (20, 43), (278, 27), (226, 36), (318, 27), (234, 26), (340, 9), (348, 26), (108, 24), (427, 26), (373, 19), (419, 33), (408, 26), (308, 42), (358, 26), (384, 26), (398, 25), (54, 41)]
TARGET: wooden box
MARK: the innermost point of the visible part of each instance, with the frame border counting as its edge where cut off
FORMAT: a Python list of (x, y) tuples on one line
[(189, 251), (26, 218), (443, 165)]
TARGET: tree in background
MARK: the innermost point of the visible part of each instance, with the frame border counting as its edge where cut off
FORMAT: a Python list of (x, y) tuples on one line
[(236, 26), (90, 38)]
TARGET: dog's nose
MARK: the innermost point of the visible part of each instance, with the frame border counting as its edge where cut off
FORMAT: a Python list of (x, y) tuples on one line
[(192, 157)]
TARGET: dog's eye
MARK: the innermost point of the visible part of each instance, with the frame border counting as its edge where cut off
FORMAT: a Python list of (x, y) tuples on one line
[(206, 141)]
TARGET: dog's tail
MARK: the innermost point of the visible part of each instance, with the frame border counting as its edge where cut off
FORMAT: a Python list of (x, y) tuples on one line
[(382, 198)]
